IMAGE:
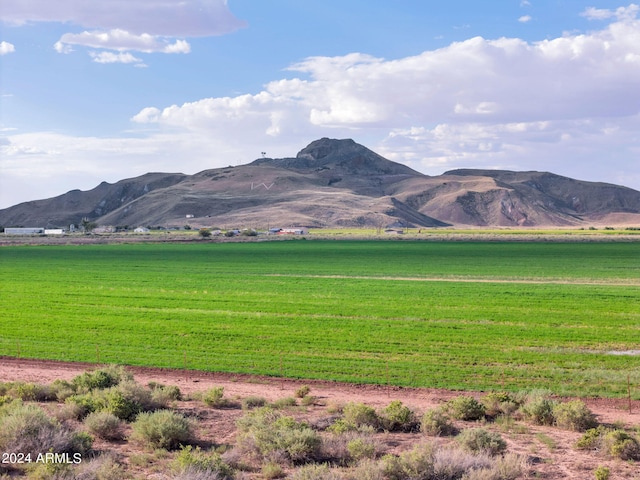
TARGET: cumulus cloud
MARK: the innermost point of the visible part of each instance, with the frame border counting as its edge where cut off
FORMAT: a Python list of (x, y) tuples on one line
[(122, 40), (110, 57), (186, 18), (525, 18), (621, 13), (128, 25), (6, 47)]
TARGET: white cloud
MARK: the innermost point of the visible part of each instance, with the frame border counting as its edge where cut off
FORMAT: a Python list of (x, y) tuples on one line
[(525, 19), (621, 13), (184, 18), (121, 40), (110, 57), (6, 47)]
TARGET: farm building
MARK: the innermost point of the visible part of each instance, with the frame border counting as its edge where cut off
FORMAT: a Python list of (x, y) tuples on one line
[(53, 231), (24, 231), (294, 231), (141, 230)]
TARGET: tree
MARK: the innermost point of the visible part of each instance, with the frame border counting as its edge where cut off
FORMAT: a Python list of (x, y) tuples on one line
[(204, 232), (87, 225)]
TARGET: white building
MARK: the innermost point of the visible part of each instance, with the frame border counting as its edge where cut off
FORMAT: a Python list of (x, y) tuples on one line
[(24, 231)]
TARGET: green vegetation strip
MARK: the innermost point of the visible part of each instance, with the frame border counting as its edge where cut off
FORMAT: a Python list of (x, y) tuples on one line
[(509, 315)]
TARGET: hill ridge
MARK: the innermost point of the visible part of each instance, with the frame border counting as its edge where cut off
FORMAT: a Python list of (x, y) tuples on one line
[(335, 183)]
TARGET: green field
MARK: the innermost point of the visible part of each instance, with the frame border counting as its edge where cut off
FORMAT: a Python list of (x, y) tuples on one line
[(460, 315)]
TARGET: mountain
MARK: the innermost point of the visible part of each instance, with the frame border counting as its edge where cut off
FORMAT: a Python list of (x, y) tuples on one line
[(332, 183)]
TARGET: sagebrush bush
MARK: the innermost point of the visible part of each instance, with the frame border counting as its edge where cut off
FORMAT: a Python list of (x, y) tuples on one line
[(104, 425), (574, 415), (436, 423), (362, 447), (366, 469), (303, 391), (602, 473), (102, 467), (253, 402), (284, 402), (28, 429), (538, 409), (33, 392), (499, 403), (465, 408), (162, 429), (612, 442), (398, 417), (101, 378), (195, 459), (415, 463), (359, 414), (481, 440), (316, 472), (264, 432), (507, 467), (272, 470), (163, 395), (214, 397)]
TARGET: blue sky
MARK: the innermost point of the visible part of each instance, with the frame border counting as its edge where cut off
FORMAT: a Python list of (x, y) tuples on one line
[(94, 90)]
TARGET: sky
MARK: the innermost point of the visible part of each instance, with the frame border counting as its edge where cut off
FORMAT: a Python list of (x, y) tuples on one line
[(96, 91)]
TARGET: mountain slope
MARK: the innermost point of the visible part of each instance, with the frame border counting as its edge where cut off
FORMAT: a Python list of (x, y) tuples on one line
[(334, 183)]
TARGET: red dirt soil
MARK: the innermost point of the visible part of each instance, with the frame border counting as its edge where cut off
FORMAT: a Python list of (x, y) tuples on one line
[(558, 461)]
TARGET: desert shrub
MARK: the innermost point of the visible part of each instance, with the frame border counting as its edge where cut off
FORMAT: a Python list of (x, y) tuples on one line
[(436, 423), (341, 426), (83, 404), (398, 417), (195, 459), (465, 408), (538, 409), (619, 444), (416, 463), (591, 439), (303, 391), (506, 467), (602, 473), (163, 395), (104, 425), (118, 403), (361, 447), (101, 378), (359, 414), (613, 442), (31, 392), (28, 429), (499, 403), (272, 470), (162, 429), (265, 432), (574, 415), (62, 389), (367, 469), (453, 463), (284, 402), (308, 400), (315, 472), (253, 402), (214, 397), (481, 440), (103, 467)]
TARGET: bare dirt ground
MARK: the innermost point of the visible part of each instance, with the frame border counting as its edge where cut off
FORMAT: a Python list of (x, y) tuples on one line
[(550, 450)]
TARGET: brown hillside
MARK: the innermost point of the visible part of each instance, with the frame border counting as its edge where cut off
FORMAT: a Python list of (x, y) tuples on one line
[(333, 183)]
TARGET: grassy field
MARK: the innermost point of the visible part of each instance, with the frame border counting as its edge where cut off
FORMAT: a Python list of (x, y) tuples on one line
[(460, 315)]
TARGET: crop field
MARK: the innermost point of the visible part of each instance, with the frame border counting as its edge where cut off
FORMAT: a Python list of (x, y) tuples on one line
[(458, 315)]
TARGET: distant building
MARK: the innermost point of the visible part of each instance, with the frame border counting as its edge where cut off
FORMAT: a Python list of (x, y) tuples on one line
[(24, 231), (294, 231), (141, 230), (53, 231)]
